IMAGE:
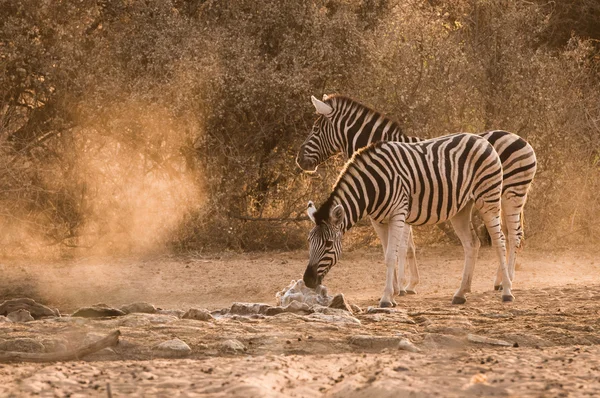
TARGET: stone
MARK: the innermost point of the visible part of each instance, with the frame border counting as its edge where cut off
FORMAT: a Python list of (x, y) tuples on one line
[(379, 310), (4, 319), (233, 346), (175, 313), (295, 307), (198, 314), (20, 316), (375, 342), (172, 349), (339, 301), (141, 307), (407, 345), (55, 344), (297, 291), (249, 308), (345, 318), (36, 310), (97, 311), (23, 344)]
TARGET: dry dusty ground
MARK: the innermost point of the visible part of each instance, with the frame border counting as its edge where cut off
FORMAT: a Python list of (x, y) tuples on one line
[(554, 322)]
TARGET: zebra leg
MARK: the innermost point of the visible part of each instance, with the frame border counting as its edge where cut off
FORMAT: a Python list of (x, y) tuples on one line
[(470, 242), (512, 209), (498, 280), (412, 264), (491, 217), (395, 255), (382, 233)]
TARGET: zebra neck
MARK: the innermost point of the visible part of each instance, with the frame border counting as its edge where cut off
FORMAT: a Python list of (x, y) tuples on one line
[(354, 210), (360, 132)]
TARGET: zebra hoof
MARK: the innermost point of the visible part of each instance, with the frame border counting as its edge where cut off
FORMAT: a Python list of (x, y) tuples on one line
[(411, 292), (386, 304), (458, 300), (402, 293), (497, 287), (508, 299)]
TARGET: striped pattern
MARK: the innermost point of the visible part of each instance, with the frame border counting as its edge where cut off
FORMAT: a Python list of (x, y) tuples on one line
[(350, 126), (400, 184)]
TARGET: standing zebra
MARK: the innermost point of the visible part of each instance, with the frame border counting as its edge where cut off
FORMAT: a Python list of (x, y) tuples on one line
[(416, 184), (344, 125)]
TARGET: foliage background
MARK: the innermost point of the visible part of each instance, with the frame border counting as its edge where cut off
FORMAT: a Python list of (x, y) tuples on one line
[(149, 125)]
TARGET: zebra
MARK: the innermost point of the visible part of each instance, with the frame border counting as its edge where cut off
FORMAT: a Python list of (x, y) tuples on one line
[(345, 125), (401, 184)]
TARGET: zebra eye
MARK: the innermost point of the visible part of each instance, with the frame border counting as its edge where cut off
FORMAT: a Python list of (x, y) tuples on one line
[(328, 244)]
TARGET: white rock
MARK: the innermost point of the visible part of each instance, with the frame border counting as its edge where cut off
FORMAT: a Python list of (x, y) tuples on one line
[(297, 291)]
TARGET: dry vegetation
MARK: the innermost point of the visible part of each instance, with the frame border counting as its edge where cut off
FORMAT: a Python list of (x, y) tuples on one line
[(129, 126)]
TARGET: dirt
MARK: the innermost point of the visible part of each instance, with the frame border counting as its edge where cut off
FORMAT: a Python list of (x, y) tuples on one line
[(553, 329)]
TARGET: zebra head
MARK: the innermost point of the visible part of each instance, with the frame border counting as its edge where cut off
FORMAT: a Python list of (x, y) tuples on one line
[(324, 244), (321, 143)]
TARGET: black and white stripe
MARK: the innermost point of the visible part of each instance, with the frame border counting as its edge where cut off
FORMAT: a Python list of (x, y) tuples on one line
[(400, 184), (345, 125)]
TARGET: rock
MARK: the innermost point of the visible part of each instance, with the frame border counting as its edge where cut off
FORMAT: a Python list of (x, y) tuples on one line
[(36, 310), (97, 311), (22, 345), (407, 345), (161, 319), (172, 349), (345, 318), (297, 291), (329, 311), (356, 309), (295, 307), (20, 316), (249, 308), (54, 344), (233, 346), (4, 319), (175, 313), (379, 310), (339, 301), (92, 337), (375, 342), (145, 308), (198, 314)]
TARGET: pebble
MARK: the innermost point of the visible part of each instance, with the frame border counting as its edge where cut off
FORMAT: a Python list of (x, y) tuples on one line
[(97, 311), (233, 346), (23, 344), (20, 316), (172, 349), (142, 307), (198, 314)]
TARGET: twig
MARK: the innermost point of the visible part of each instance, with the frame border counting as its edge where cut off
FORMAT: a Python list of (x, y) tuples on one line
[(110, 340)]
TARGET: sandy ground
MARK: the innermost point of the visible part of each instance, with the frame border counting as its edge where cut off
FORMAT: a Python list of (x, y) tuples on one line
[(554, 323)]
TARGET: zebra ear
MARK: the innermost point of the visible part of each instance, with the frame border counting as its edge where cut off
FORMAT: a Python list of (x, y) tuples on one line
[(321, 107), (311, 211), (336, 216)]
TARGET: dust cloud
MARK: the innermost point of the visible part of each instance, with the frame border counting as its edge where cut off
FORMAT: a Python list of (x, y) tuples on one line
[(122, 184)]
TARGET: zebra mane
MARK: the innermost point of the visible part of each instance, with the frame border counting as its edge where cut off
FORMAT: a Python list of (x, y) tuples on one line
[(322, 214), (337, 101)]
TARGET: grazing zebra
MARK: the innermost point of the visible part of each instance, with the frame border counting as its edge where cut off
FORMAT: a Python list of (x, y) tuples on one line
[(344, 125), (401, 184)]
